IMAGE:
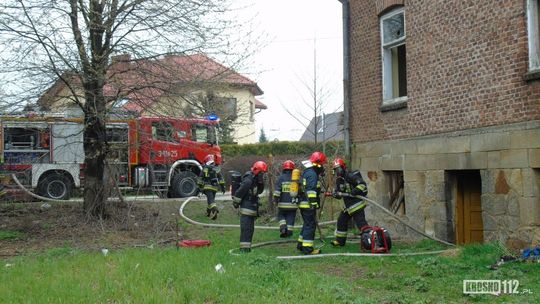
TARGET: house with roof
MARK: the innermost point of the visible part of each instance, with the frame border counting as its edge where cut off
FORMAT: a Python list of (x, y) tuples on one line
[(172, 86), (442, 113)]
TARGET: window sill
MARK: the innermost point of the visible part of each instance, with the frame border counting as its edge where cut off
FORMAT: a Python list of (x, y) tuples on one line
[(394, 104), (532, 75)]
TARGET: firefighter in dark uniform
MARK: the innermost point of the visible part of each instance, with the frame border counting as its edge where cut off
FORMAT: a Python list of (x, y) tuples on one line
[(309, 201), (282, 197), (2, 177), (348, 185), (211, 179), (247, 198)]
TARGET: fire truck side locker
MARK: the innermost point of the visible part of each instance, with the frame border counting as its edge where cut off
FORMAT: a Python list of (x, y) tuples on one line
[(67, 154)]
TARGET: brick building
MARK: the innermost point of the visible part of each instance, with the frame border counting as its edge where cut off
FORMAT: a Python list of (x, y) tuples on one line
[(444, 114)]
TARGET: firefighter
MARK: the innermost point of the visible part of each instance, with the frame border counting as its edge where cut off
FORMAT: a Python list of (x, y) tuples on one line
[(348, 185), (211, 179), (283, 199), (2, 178), (247, 198), (309, 201)]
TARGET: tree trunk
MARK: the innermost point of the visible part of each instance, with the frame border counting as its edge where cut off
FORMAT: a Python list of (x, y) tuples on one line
[(272, 207), (95, 149)]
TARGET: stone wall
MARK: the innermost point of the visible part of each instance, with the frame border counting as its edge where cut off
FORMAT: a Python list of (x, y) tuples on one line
[(506, 157)]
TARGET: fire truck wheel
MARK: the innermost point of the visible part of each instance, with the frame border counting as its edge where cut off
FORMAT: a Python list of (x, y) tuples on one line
[(55, 186), (184, 184)]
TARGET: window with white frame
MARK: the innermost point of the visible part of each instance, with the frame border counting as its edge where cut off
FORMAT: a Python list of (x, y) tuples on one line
[(394, 58), (533, 16), (251, 111)]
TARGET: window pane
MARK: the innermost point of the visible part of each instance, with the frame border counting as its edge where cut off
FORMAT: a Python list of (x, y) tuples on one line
[(200, 134), (402, 70), (230, 107), (117, 134), (399, 71), (225, 107), (534, 34), (393, 28), (537, 22), (163, 131)]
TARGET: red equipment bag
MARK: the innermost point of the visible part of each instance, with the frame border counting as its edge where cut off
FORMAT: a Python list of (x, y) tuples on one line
[(194, 243), (375, 239)]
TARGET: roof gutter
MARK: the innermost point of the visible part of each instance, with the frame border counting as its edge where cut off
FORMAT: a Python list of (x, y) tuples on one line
[(346, 78)]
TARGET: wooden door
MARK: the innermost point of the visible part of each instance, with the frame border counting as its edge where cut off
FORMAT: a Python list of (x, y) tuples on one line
[(470, 228)]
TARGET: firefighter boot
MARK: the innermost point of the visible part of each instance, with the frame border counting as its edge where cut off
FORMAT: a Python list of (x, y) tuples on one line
[(299, 246), (310, 250), (283, 231), (214, 213), (245, 250), (289, 233), (337, 243)]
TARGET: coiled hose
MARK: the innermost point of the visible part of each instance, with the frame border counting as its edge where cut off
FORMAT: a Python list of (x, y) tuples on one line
[(297, 257)]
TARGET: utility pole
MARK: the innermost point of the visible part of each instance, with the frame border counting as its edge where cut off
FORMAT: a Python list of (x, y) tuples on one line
[(315, 121), (323, 124)]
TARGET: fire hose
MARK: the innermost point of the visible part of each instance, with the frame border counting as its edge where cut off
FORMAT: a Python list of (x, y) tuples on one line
[(184, 204), (46, 199), (374, 203), (296, 257)]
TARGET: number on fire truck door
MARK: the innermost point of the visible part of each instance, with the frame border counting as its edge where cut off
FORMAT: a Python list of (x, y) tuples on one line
[(167, 154)]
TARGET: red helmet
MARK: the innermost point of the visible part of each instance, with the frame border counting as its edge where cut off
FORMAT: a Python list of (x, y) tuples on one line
[(318, 158), (288, 165), (209, 159), (259, 167), (339, 162)]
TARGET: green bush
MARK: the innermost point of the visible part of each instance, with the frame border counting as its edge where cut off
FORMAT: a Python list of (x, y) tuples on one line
[(332, 148)]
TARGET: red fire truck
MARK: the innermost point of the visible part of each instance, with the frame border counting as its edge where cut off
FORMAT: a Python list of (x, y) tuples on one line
[(163, 154)]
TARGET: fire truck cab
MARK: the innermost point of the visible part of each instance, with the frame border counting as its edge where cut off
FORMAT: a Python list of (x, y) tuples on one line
[(163, 154)]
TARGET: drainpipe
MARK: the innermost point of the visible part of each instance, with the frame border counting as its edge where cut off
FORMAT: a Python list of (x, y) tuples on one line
[(346, 79)]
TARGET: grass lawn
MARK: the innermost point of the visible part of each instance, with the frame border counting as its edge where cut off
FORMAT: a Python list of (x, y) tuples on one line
[(185, 275)]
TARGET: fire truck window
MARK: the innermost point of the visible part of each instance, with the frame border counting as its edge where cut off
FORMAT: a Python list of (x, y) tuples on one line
[(163, 131), (119, 135), (23, 138), (181, 134), (200, 133)]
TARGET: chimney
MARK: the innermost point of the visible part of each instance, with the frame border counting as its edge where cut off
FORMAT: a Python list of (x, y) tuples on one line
[(120, 63), (120, 58)]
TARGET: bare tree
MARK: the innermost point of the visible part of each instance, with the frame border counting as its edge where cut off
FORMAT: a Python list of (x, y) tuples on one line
[(315, 96), (210, 99), (45, 41)]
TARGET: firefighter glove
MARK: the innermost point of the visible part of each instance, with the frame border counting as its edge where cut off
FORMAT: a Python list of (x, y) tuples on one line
[(236, 201)]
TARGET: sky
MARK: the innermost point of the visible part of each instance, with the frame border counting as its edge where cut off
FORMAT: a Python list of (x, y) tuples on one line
[(285, 65), (293, 30)]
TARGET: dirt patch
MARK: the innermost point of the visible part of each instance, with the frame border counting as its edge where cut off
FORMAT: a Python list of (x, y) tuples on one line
[(45, 227), (341, 271)]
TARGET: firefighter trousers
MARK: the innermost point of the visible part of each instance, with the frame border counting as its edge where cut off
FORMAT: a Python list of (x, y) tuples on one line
[(307, 235), (210, 198), (248, 214), (359, 218), (286, 217)]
